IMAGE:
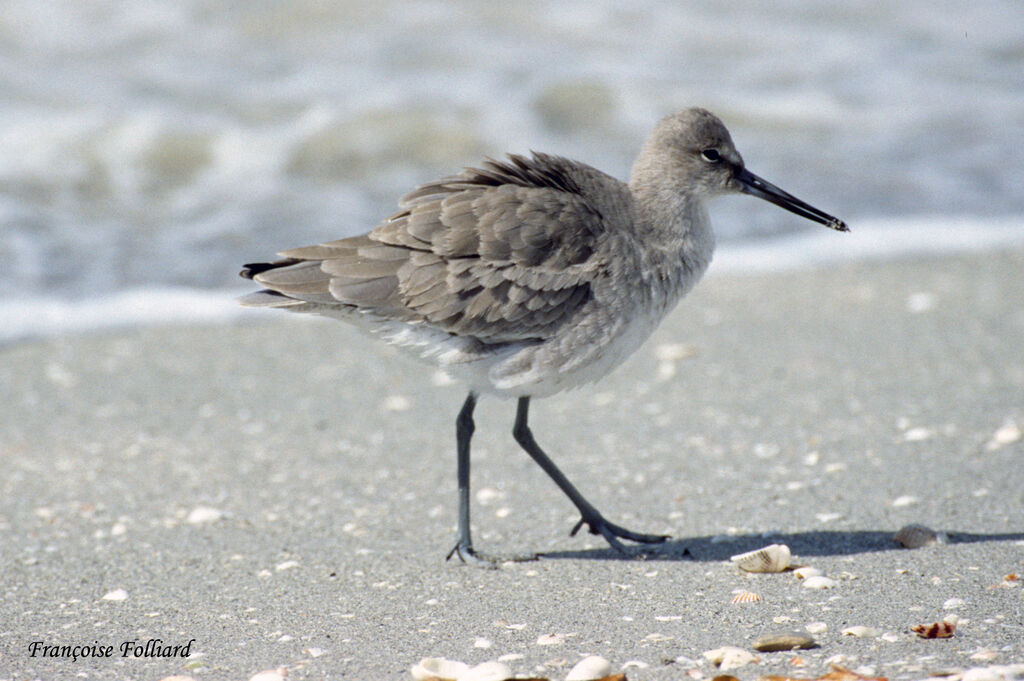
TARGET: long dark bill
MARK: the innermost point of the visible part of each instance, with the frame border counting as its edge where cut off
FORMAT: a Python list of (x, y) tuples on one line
[(762, 189)]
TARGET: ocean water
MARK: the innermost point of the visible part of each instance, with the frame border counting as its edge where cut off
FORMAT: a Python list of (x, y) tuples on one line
[(147, 149)]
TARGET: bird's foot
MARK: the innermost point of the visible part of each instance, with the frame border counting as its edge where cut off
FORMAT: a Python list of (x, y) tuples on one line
[(612, 533), (467, 554)]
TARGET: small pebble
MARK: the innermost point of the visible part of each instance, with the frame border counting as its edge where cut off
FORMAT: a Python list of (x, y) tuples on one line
[(115, 595), (953, 603), (819, 582), (480, 642), (905, 500), (789, 641), (915, 535)]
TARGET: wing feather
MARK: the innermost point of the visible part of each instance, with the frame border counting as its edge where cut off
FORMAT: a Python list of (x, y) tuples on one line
[(502, 253)]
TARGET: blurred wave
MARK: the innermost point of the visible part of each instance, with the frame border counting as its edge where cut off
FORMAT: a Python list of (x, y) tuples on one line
[(148, 145)]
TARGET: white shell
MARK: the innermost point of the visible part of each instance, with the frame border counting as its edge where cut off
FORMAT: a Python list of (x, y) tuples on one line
[(806, 571), (590, 668), (729, 657), (772, 558), (486, 671), (269, 675), (439, 667), (914, 536), (860, 631), (819, 582)]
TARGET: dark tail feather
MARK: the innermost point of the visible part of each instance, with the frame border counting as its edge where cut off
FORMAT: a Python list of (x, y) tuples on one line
[(251, 269)]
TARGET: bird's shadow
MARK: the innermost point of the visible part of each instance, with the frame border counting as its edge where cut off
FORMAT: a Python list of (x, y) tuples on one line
[(803, 544)]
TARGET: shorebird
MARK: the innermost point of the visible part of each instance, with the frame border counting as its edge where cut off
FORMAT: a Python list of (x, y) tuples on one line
[(528, 276)]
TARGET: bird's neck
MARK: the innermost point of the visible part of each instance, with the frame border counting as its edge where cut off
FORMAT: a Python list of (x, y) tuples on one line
[(676, 233)]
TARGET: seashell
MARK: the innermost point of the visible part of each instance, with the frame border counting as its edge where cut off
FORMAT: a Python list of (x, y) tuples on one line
[(270, 675), (116, 595), (487, 671), (789, 641), (772, 558), (934, 630), (550, 639), (914, 536), (806, 571), (203, 514), (439, 668), (746, 597), (589, 668), (1005, 435), (860, 631), (985, 655), (819, 582), (729, 657), (816, 628)]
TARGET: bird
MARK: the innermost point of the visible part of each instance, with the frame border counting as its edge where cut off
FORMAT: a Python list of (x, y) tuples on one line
[(531, 275)]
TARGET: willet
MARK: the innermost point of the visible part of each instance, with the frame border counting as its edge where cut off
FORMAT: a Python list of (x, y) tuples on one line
[(529, 276)]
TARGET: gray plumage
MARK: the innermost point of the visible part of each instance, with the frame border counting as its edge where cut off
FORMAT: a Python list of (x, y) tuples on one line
[(528, 276)]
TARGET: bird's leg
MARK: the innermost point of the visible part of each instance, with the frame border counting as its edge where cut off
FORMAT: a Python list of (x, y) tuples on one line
[(463, 548), (591, 517)]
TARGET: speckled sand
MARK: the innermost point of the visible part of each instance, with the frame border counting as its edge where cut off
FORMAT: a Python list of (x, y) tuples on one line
[(283, 491)]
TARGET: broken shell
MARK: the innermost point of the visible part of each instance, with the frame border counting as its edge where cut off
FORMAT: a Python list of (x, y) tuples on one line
[(270, 675), (934, 630), (729, 657), (487, 671), (806, 571), (914, 536), (789, 641), (819, 582), (816, 628), (860, 631), (590, 668), (746, 597), (439, 668), (772, 558)]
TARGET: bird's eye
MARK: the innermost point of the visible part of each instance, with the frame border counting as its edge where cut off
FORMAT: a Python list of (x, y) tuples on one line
[(711, 155)]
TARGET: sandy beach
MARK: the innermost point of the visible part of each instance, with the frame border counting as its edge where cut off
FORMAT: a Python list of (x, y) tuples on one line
[(281, 492)]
